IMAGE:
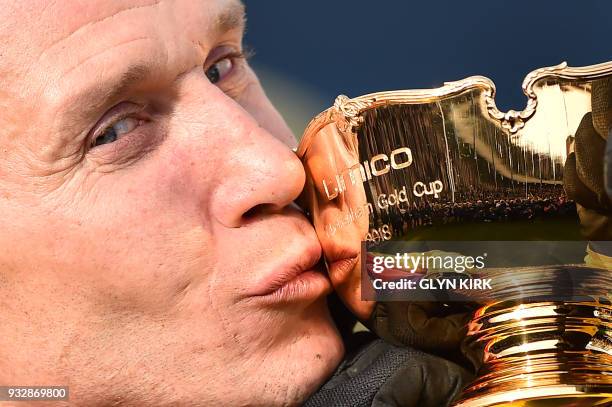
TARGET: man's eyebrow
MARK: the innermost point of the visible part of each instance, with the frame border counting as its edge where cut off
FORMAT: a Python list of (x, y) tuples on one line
[(134, 74), (107, 91), (230, 18)]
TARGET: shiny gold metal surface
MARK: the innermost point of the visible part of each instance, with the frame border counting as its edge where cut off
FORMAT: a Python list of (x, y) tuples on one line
[(446, 164), (544, 353)]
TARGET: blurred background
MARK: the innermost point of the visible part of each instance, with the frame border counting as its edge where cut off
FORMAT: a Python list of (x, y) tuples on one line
[(308, 52)]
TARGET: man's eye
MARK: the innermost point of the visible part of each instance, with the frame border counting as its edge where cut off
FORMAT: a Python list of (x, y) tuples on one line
[(219, 70), (116, 130)]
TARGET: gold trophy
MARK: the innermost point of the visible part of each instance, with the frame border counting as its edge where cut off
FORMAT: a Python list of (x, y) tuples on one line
[(392, 169)]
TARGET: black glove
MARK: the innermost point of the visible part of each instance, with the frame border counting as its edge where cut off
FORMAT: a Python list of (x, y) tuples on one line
[(384, 375), (584, 168), (608, 166), (428, 326)]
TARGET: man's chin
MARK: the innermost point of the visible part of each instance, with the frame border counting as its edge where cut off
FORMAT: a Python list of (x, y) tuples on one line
[(317, 357)]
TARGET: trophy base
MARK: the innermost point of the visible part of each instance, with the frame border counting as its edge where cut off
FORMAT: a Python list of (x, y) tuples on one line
[(553, 396), (542, 350), (543, 354), (545, 381)]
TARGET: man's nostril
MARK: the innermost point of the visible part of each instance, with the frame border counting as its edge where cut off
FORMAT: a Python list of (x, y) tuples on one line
[(260, 210), (252, 213)]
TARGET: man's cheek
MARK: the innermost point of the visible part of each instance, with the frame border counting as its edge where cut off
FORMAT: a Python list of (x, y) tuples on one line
[(138, 239), (134, 254), (155, 287)]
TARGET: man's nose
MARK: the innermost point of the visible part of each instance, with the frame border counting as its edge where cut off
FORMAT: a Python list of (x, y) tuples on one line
[(246, 169), (263, 176)]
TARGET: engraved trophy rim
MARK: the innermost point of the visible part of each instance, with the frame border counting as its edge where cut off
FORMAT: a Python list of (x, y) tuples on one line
[(346, 112)]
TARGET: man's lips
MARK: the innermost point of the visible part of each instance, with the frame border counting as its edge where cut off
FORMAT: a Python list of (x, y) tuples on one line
[(296, 278)]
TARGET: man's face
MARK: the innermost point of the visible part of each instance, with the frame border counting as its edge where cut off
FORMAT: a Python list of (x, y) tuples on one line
[(149, 251)]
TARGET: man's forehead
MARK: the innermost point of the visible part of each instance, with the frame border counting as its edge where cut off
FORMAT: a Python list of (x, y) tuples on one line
[(56, 18), (39, 24), (73, 14), (47, 40)]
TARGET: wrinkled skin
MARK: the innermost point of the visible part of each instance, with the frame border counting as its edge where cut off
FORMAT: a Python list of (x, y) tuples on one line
[(132, 266)]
